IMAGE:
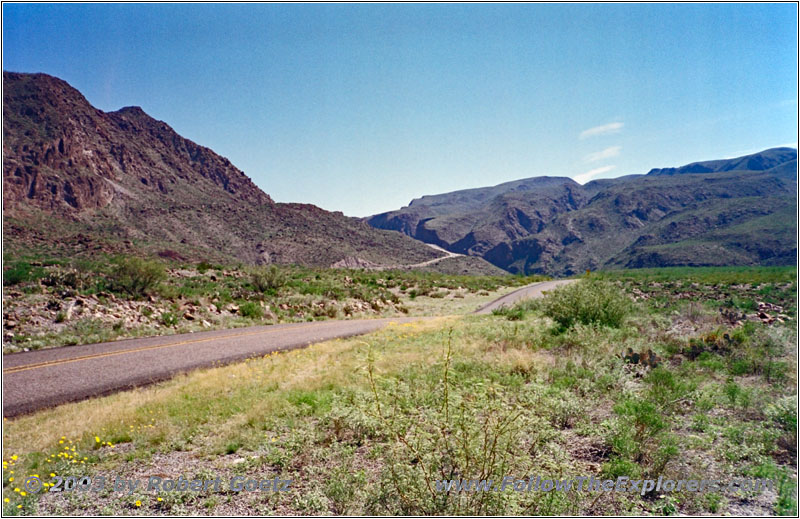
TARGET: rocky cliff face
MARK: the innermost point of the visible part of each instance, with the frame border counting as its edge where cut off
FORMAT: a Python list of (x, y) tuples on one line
[(738, 211), (81, 180), (61, 154)]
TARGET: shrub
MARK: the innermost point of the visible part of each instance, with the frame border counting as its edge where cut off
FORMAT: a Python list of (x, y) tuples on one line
[(515, 313), (169, 319), (63, 278), (784, 413), (587, 302), (267, 279), (135, 276), (617, 467), (666, 389), (251, 310), (640, 431), (20, 273)]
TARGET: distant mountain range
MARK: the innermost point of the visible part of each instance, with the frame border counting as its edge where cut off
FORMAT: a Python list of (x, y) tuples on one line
[(78, 180), (740, 211)]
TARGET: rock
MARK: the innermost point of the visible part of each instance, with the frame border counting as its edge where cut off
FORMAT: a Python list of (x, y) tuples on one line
[(205, 323), (188, 316), (11, 324), (232, 308), (213, 308)]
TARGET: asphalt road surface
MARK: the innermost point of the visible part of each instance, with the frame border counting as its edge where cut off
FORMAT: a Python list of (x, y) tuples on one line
[(39, 379), (526, 292)]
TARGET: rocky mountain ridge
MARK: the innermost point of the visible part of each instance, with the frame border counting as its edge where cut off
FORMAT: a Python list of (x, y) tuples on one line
[(738, 211), (77, 180)]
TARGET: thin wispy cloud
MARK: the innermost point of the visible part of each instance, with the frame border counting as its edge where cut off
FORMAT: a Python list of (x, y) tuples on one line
[(605, 129), (607, 153), (584, 177)]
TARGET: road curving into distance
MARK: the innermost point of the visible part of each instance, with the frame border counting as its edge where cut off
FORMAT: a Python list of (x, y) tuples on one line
[(526, 292), (45, 378)]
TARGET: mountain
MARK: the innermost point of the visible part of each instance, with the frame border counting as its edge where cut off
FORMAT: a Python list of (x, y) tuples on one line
[(762, 161), (738, 211), (78, 180)]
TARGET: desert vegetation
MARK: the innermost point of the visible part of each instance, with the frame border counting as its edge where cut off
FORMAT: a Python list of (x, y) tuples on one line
[(54, 302), (649, 375)]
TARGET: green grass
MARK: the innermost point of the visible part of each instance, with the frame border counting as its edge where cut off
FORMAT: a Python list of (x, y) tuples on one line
[(706, 275)]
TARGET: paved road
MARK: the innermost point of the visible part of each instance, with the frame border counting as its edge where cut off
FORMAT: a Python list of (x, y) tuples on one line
[(424, 263), (38, 379), (526, 292), (45, 378)]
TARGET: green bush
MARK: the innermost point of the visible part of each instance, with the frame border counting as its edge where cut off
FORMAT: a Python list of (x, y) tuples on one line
[(135, 276), (268, 280), (203, 266), (515, 313), (251, 310), (169, 319), (20, 273), (617, 467), (640, 427), (587, 302)]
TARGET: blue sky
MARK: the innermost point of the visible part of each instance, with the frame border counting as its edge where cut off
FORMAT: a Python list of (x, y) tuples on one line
[(361, 107)]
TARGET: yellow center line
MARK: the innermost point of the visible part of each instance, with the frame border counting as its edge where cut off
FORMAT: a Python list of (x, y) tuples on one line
[(17, 369)]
